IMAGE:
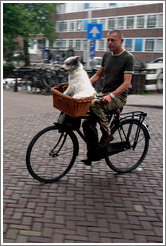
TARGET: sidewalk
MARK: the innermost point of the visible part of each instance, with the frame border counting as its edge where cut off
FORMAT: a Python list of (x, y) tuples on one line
[(151, 100)]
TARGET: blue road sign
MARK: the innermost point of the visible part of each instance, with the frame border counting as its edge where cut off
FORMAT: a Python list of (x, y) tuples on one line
[(94, 31), (92, 48)]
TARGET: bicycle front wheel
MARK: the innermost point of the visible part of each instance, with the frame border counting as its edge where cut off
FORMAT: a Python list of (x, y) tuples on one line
[(129, 147), (51, 154)]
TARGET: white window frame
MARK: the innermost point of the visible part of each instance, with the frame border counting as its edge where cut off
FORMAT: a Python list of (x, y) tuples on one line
[(160, 23), (85, 44), (151, 26), (71, 43), (127, 45), (115, 19), (79, 25), (130, 27), (101, 45), (137, 21), (72, 24), (103, 22), (157, 44), (76, 42), (149, 50)]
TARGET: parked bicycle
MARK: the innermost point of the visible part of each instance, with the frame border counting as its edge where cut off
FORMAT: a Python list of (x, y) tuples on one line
[(41, 78), (53, 151)]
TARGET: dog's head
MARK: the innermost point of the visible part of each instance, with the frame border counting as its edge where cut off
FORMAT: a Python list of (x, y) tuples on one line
[(71, 63)]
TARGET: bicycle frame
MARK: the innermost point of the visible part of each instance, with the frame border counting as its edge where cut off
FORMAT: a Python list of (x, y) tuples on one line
[(117, 117)]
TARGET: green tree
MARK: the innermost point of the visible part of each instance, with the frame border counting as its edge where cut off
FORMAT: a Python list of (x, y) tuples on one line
[(27, 20)]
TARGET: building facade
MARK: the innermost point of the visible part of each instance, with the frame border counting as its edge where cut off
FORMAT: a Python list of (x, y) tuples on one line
[(140, 22)]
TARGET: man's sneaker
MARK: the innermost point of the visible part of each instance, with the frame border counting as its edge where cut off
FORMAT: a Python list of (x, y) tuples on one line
[(105, 140), (100, 154), (87, 162)]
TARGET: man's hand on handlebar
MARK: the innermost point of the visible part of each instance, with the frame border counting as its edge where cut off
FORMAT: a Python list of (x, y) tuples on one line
[(106, 99)]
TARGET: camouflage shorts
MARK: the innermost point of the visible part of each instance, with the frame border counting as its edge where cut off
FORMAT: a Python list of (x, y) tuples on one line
[(100, 110)]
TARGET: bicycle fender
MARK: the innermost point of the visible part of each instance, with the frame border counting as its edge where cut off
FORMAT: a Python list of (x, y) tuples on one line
[(147, 129)]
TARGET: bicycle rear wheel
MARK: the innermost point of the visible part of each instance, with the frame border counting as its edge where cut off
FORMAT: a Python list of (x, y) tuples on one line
[(51, 154), (129, 147)]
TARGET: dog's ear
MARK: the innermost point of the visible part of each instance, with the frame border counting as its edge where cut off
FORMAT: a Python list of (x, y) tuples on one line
[(76, 59)]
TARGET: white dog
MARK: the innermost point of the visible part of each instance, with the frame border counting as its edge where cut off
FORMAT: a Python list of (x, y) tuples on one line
[(79, 85)]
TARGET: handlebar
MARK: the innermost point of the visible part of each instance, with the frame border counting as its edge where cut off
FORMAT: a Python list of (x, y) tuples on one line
[(98, 97)]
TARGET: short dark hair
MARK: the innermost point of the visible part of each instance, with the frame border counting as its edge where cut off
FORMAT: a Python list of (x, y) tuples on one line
[(120, 34)]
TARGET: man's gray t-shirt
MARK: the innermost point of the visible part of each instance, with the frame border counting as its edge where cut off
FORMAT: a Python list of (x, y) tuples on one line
[(115, 66)]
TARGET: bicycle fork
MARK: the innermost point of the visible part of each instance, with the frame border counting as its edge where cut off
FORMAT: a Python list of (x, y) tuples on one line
[(62, 139)]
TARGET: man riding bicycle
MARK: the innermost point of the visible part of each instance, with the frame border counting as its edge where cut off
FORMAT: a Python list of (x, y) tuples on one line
[(117, 67)]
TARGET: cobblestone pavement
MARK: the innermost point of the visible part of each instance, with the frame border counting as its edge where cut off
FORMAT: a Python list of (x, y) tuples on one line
[(90, 204)]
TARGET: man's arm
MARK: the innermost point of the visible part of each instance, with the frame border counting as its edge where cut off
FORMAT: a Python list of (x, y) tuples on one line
[(120, 89), (124, 86), (97, 75)]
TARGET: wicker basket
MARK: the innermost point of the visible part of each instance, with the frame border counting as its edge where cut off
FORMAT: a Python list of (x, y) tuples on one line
[(71, 106)]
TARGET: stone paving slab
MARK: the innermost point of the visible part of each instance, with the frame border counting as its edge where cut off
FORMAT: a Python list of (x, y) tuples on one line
[(90, 204)]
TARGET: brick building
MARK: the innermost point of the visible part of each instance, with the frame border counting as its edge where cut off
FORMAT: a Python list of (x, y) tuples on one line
[(141, 23)]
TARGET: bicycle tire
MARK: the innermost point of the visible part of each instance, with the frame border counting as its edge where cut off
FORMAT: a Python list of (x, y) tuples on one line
[(128, 158), (51, 154)]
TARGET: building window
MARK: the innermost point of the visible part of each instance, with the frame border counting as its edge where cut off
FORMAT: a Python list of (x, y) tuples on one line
[(120, 22), (140, 21), (103, 21), (159, 45), (40, 44), (84, 44), (78, 45), (71, 26), (61, 8), (111, 23), (63, 44), (85, 24), (86, 5), (128, 44), (62, 26), (138, 45), (100, 44), (151, 21), (79, 25), (149, 45), (160, 20), (71, 43), (130, 22), (57, 26)]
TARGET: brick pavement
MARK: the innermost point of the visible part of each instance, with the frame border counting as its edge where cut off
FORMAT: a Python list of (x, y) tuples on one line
[(90, 204)]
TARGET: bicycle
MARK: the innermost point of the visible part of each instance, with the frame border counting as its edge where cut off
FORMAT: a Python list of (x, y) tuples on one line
[(53, 151)]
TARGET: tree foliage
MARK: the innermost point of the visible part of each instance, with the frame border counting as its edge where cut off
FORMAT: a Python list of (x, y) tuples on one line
[(26, 20)]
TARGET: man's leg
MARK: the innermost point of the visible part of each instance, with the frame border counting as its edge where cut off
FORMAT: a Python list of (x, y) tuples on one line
[(90, 132), (91, 135), (101, 111)]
